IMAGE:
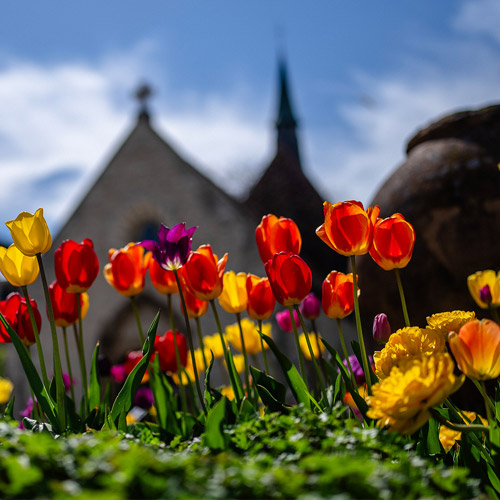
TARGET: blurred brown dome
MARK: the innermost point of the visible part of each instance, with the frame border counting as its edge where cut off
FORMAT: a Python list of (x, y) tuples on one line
[(449, 189)]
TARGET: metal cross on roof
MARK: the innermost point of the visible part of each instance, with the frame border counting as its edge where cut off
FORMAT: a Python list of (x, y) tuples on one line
[(143, 94)]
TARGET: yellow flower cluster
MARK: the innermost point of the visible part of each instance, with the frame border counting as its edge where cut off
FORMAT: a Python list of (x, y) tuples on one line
[(402, 401), (450, 321), (405, 344), (250, 335)]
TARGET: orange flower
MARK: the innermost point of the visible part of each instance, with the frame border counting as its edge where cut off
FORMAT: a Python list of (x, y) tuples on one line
[(348, 229), (476, 348), (274, 235), (393, 240), (163, 280), (203, 273), (261, 300), (127, 269), (338, 295)]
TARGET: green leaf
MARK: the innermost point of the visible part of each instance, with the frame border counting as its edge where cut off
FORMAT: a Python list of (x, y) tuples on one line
[(94, 384), (495, 482), (125, 398), (275, 388), (234, 377), (9, 411), (360, 402), (214, 436), (212, 395), (270, 402), (41, 392), (293, 378)]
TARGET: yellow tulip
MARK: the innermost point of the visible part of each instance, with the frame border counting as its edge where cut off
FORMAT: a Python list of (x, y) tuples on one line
[(18, 268), (250, 335), (233, 298), (316, 343), (5, 390), (482, 282), (30, 233)]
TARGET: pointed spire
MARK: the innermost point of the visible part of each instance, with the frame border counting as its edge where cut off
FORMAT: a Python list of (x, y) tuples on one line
[(286, 123)]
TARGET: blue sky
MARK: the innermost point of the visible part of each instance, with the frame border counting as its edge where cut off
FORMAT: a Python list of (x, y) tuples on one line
[(364, 76)]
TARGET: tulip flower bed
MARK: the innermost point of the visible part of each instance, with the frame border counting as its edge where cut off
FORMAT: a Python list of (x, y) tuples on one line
[(361, 426)]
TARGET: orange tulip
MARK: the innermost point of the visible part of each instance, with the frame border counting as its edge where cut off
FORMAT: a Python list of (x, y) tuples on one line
[(261, 300), (127, 268), (393, 240), (164, 281), (476, 348), (338, 295), (274, 235), (203, 272), (348, 228)]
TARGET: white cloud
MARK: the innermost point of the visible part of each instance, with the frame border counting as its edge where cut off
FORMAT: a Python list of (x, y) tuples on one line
[(480, 17), (465, 76)]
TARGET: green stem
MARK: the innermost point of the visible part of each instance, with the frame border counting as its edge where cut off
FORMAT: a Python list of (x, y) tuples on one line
[(200, 341), (364, 357), (68, 362), (244, 351), (344, 350), (313, 357), (39, 349), (226, 352), (489, 415), (36, 409), (170, 311), (190, 339), (137, 319), (178, 358), (85, 385), (482, 389), (264, 355), (402, 296), (60, 393), (458, 427), (82, 363), (494, 313), (297, 343)]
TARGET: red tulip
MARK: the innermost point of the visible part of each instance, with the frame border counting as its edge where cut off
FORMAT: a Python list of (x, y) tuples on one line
[(290, 278), (348, 229), (393, 240), (274, 235), (15, 311), (76, 265), (338, 295), (163, 280), (203, 273), (261, 300), (165, 348), (195, 307), (65, 305)]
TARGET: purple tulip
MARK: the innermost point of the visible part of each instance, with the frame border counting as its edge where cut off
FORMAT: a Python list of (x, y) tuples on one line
[(381, 328), (173, 246), (359, 375), (284, 322), (143, 398), (310, 307)]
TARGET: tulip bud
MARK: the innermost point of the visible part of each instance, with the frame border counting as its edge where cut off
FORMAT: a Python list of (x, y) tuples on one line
[(381, 328), (284, 322), (310, 307)]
